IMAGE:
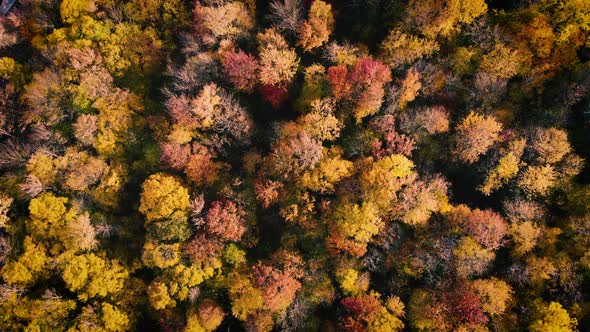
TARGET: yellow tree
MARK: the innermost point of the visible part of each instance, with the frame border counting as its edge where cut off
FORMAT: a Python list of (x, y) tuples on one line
[(352, 227), (552, 317), (400, 48), (91, 276), (382, 181), (163, 197)]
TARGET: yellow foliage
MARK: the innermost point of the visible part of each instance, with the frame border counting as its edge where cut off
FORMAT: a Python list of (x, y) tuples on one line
[(553, 318), (381, 182), (352, 283), (114, 319), (472, 258), (71, 10), (537, 180), (182, 278), (47, 215), (115, 119), (5, 202), (107, 193), (245, 298), (385, 321), (12, 71), (411, 86), (44, 167), (163, 197), (160, 255), (524, 235), (90, 276), (159, 296), (507, 168), (29, 266), (401, 49), (502, 62), (494, 294), (331, 169), (234, 255)]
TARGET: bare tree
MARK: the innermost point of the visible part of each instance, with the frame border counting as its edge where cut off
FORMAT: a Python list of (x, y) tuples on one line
[(286, 15)]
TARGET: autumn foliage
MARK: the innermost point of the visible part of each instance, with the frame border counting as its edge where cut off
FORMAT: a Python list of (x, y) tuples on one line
[(294, 165)]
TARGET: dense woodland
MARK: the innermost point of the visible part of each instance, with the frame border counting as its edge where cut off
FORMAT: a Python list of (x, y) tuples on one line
[(295, 165)]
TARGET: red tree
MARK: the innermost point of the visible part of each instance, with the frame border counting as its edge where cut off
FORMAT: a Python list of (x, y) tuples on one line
[(226, 220), (240, 69)]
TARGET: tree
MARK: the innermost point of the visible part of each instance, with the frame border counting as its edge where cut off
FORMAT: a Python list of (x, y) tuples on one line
[(28, 267), (115, 119), (486, 227), (321, 123), (410, 87), (48, 214), (159, 297), (241, 69), (471, 258), (174, 155), (79, 234), (433, 120), (330, 170), (163, 197), (466, 307), (82, 170), (5, 202), (494, 294), (200, 167), (294, 152), (202, 250), (226, 20), (43, 166), (352, 227), (278, 288), (210, 315), (507, 168), (537, 180), (369, 77), (338, 77), (316, 30), (267, 191), (245, 298), (433, 18), (400, 48), (502, 62), (71, 10), (91, 276), (352, 282), (160, 255), (226, 221), (382, 181), (525, 235), (551, 144), (366, 312), (286, 14), (278, 62), (475, 135), (552, 317), (113, 318), (420, 199), (85, 129)]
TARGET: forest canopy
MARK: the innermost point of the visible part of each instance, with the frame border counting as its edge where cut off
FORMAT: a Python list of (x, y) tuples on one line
[(295, 165)]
